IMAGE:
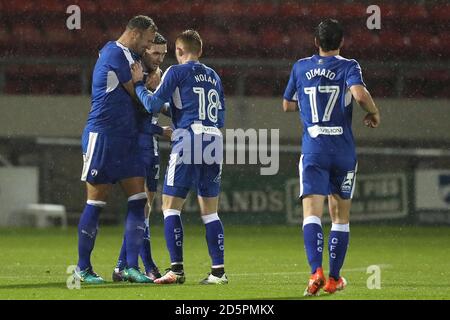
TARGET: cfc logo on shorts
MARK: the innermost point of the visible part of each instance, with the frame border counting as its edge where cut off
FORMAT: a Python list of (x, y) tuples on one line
[(348, 182), (94, 172)]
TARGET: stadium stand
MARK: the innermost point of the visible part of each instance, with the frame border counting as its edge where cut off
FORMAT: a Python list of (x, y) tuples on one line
[(269, 30)]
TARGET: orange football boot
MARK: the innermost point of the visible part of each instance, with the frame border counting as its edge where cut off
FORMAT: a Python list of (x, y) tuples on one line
[(332, 285), (316, 282)]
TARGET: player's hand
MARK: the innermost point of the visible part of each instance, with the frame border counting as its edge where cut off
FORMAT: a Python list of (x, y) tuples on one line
[(137, 73), (167, 132), (372, 120), (153, 79)]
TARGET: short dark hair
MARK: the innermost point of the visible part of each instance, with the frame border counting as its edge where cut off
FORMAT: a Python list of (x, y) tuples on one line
[(329, 34), (159, 39), (142, 23), (192, 40)]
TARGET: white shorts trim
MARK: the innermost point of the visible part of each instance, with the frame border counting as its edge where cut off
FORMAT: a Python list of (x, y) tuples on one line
[(354, 181), (171, 169), (300, 174), (87, 157)]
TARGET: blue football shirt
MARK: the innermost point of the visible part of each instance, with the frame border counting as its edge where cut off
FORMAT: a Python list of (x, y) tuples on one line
[(112, 108), (321, 86), (195, 94)]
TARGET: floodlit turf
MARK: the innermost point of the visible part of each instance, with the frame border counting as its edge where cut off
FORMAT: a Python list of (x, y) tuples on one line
[(261, 262)]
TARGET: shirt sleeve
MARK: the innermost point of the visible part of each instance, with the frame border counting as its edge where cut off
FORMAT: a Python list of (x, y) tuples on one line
[(121, 66), (167, 86), (290, 93), (153, 102), (354, 75)]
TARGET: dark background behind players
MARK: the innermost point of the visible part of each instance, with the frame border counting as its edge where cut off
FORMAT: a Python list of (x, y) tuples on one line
[(45, 85)]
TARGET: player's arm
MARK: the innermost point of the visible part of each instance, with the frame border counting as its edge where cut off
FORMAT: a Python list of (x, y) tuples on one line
[(361, 95), (150, 101), (290, 106), (121, 67), (153, 79), (290, 103), (152, 82), (221, 110), (364, 99)]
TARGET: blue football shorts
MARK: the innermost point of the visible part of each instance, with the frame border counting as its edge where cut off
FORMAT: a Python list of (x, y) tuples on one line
[(195, 163), (323, 174), (109, 159)]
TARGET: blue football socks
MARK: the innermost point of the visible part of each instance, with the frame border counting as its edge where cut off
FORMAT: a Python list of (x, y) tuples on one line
[(173, 231), (337, 247), (87, 232), (214, 239), (313, 239), (134, 228)]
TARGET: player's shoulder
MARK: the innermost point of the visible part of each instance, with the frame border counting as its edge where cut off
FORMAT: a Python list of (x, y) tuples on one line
[(115, 50), (347, 61), (173, 69), (113, 47), (306, 59), (211, 71), (177, 68), (302, 62)]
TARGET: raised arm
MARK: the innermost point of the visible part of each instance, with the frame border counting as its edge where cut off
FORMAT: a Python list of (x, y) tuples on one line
[(150, 102)]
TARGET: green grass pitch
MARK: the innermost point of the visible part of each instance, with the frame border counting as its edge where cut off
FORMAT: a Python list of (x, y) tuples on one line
[(266, 262)]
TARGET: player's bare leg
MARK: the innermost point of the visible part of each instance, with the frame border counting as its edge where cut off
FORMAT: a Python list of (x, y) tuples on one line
[(215, 239), (97, 192), (171, 202), (339, 209), (340, 215), (173, 230), (87, 231), (133, 186), (208, 205), (313, 237)]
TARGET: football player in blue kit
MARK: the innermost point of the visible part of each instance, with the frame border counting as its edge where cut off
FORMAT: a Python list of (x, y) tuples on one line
[(149, 130), (322, 87), (197, 103), (109, 144)]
